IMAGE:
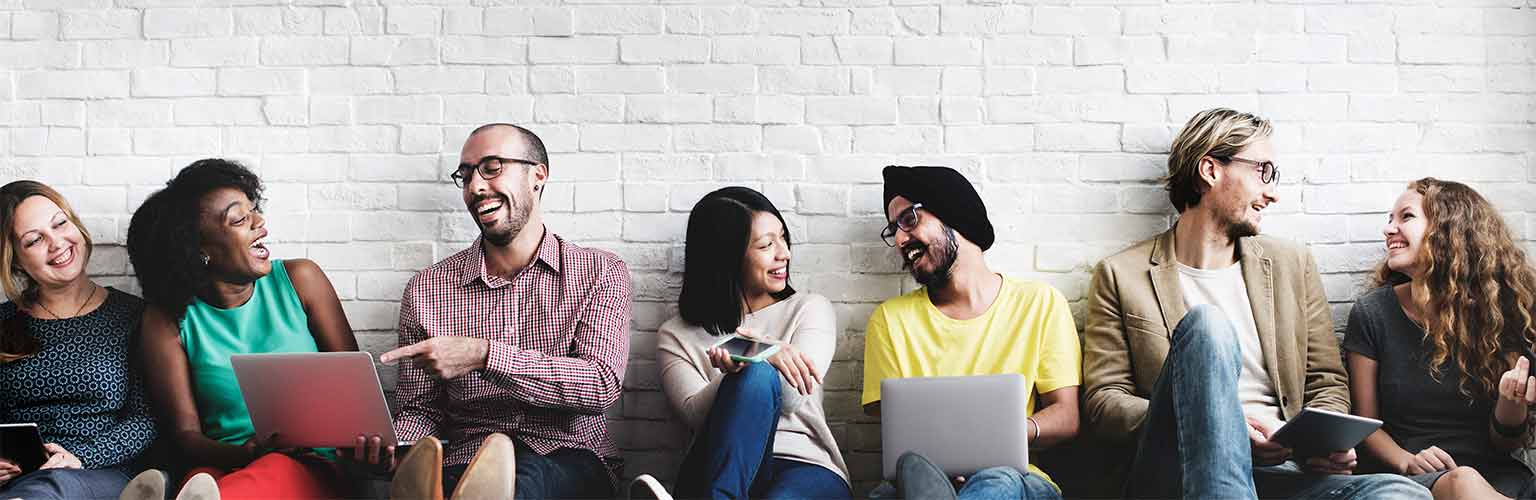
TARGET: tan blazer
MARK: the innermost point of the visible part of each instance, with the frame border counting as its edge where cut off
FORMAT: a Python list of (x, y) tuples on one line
[(1135, 302)]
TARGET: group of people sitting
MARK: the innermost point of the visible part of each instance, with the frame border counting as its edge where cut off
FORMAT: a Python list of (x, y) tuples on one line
[(1198, 344)]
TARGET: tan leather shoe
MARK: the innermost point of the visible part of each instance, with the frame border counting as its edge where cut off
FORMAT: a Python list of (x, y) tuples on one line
[(492, 473), (420, 474)]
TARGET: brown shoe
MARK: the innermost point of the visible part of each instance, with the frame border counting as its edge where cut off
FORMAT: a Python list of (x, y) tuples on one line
[(420, 474), (492, 473)]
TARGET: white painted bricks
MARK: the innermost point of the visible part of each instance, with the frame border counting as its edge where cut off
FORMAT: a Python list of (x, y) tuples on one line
[(1061, 114)]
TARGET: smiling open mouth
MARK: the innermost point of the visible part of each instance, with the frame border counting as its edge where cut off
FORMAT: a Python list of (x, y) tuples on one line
[(64, 258), (259, 250)]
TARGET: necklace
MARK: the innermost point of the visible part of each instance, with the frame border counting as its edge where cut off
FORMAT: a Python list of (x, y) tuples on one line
[(77, 311)]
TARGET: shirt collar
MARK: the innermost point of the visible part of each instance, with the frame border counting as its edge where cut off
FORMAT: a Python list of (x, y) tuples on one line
[(548, 258)]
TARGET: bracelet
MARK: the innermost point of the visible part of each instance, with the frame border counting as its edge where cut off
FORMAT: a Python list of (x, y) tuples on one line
[(1508, 431), (1035, 426)]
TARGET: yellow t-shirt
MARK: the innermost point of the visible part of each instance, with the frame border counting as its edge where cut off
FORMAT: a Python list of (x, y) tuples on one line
[(1028, 330)]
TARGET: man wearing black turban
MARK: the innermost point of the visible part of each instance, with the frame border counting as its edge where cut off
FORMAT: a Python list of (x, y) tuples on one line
[(967, 320)]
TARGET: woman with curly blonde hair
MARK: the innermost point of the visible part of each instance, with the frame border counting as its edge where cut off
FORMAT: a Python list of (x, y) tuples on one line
[(1439, 350)]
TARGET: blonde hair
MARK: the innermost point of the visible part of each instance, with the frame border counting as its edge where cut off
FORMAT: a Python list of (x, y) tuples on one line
[(19, 287), (1219, 133)]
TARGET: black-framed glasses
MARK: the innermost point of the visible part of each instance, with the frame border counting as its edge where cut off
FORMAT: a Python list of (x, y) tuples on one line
[(1268, 172), (905, 221), (489, 167)]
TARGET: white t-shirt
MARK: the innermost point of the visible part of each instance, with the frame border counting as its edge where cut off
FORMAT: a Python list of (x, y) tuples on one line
[(1225, 289)]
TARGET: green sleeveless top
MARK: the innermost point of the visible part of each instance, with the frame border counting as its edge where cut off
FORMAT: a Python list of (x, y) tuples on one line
[(272, 321)]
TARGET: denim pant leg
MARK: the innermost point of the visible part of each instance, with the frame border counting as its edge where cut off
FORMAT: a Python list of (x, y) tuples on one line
[(737, 439), (1287, 480), (563, 473), (68, 484), (1194, 442), (791, 480), (1006, 483)]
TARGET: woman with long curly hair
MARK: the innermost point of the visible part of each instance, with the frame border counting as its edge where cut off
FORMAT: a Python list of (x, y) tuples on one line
[(1439, 350)]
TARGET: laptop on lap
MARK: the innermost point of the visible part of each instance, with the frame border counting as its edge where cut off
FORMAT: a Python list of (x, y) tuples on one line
[(961, 424)]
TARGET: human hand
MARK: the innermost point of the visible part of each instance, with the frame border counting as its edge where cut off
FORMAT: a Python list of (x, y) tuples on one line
[(446, 358), (370, 450), (721, 360), (59, 458), (8, 471), (797, 367), (1516, 385), (1428, 460), (1339, 462), (1265, 452)]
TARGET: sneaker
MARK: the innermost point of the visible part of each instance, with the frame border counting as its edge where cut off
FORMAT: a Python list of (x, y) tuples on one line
[(148, 485), (200, 487), (645, 486), (916, 477)]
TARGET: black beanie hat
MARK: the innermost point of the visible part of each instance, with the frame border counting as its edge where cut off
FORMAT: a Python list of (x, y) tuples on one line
[(947, 194)]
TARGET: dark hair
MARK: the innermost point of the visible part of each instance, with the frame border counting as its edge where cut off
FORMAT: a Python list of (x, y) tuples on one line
[(719, 228), (163, 238), (535, 145)]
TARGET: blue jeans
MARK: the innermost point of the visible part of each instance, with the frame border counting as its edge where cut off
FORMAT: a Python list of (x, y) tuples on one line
[(1006, 483), (1194, 442), (563, 473), (732, 457), (68, 484), (992, 483)]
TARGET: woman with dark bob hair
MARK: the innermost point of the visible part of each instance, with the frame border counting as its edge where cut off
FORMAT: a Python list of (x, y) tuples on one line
[(759, 429), (213, 288), (65, 363)]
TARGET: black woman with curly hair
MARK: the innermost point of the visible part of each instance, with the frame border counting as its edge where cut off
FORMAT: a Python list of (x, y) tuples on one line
[(213, 288)]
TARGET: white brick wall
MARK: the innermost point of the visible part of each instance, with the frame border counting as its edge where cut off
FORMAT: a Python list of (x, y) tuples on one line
[(1061, 114)]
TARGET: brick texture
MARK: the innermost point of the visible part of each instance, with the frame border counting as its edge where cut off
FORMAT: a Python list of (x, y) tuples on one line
[(1060, 113)]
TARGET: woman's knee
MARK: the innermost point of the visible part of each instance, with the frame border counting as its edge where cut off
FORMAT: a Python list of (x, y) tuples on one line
[(1461, 482)]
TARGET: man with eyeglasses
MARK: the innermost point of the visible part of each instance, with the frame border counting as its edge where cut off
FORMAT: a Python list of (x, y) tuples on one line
[(523, 334), (967, 320), (1202, 341)]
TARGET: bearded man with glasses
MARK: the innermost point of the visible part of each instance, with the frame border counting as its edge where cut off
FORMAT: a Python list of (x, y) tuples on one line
[(967, 320), (512, 349), (1203, 341)]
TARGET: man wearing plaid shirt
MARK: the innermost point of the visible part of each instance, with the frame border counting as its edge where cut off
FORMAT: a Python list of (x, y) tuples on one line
[(523, 333)]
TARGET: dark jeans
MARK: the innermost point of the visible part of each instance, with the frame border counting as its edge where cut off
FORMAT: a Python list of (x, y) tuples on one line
[(1194, 442), (69, 483), (564, 473), (732, 457)]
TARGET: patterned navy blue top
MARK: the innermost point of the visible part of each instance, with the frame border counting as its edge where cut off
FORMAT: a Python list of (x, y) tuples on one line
[(80, 388)]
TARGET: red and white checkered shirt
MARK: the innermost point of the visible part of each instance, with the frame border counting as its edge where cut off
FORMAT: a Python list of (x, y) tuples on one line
[(559, 339)]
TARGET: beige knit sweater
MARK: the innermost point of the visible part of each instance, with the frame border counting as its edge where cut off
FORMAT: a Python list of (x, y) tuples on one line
[(804, 320)]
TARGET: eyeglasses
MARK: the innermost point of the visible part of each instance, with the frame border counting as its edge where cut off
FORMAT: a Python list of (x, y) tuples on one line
[(489, 167), (1268, 172), (905, 221)]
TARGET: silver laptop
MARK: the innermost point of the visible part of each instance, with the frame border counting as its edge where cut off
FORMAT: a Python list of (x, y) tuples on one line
[(961, 424), (314, 399)]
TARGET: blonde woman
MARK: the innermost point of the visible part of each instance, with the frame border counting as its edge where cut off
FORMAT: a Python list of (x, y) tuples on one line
[(64, 354)]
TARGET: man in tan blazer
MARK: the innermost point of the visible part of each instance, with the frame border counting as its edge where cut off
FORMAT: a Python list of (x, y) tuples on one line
[(1201, 342)]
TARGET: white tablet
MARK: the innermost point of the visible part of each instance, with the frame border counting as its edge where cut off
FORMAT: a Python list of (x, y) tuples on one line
[(314, 399), (1317, 432)]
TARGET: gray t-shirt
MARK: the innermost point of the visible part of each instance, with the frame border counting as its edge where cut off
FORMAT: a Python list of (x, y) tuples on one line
[(1417, 410)]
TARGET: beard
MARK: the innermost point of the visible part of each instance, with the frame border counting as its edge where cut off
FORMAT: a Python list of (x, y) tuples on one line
[(943, 255), (1238, 228), (501, 234)]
